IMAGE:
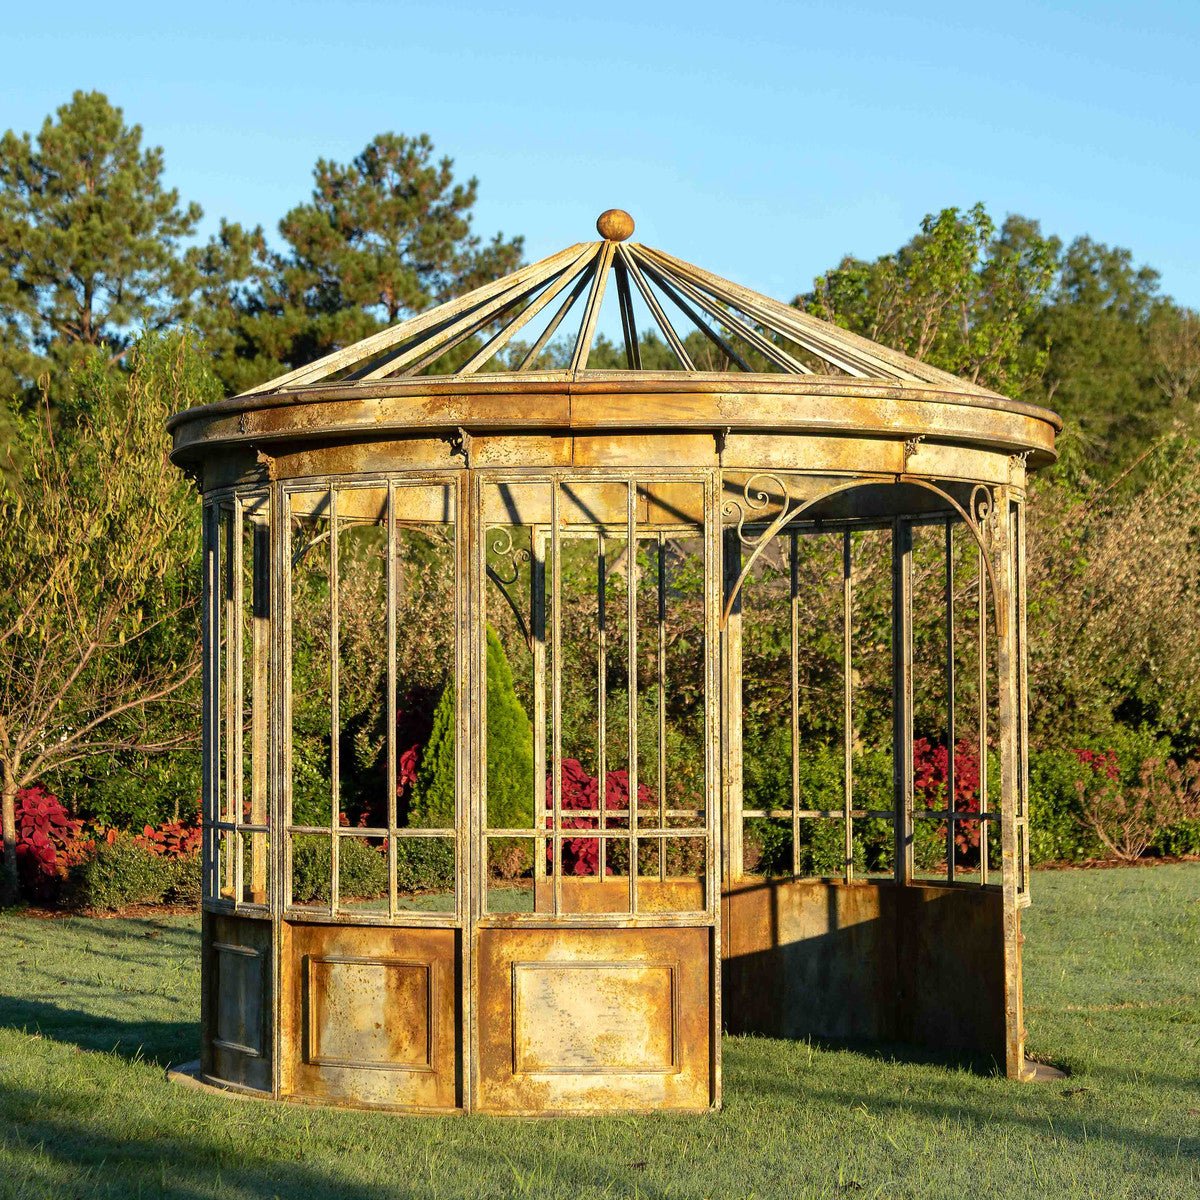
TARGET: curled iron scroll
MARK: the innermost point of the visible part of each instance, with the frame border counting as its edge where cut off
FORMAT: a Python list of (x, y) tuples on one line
[(980, 516)]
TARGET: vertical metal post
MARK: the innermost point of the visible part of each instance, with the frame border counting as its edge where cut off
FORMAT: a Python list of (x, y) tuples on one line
[(537, 627), (848, 700), (1008, 673), (391, 575), (279, 736), (951, 804), (731, 709), (237, 692), (602, 694), (902, 698), (794, 660), (335, 716), (982, 652), (662, 702), (556, 688), (262, 610), (631, 569)]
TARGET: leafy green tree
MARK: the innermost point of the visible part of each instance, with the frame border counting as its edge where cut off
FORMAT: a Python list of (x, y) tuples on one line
[(383, 237), (99, 645), (1101, 372), (960, 295), (94, 249)]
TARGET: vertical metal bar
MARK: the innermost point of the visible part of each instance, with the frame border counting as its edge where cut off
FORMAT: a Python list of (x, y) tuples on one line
[(232, 699), (713, 598), (1008, 676), (262, 609), (983, 717), (237, 697), (1018, 514), (662, 703), (279, 740), (471, 880), (602, 693), (284, 558), (794, 657), (730, 709), (951, 734), (902, 714), (848, 700), (335, 718), (208, 719), (393, 581), (556, 688), (537, 625), (631, 600)]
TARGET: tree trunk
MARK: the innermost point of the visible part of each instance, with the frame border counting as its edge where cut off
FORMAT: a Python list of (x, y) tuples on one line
[(8, 868)]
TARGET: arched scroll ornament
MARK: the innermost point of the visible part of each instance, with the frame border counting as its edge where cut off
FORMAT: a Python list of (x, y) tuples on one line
[(503, 549), (979, 516)]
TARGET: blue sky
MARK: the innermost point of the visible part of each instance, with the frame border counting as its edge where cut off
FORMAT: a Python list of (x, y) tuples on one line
[(762, 140)]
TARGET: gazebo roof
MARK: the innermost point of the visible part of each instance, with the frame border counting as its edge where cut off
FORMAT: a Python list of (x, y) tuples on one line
[(560, 297)]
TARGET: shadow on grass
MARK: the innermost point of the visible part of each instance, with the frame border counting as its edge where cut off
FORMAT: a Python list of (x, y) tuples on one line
[(159, 1042), (184, 1164)]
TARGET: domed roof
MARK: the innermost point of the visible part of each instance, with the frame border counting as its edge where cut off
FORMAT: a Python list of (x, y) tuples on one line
[(510, 324)]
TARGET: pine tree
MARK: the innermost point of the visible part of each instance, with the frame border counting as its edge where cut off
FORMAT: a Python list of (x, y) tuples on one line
[(93, 247), (509, 754)]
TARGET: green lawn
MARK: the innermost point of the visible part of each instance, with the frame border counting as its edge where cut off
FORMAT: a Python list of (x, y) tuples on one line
[(90, 1011)]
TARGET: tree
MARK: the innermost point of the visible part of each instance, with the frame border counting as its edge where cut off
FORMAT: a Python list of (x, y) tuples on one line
[(93, 247), (509, 754), (959, 295), (383, 237), (1101, 373), (98, 591)]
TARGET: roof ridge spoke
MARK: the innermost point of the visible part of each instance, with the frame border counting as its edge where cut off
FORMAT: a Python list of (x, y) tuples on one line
[(587, 328), (503, 336), (666, 287), (531, 355), (656, 310), (322, 367), (677, 288)]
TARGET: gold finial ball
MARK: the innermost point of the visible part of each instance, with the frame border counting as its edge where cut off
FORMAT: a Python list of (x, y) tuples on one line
[(614, 225)]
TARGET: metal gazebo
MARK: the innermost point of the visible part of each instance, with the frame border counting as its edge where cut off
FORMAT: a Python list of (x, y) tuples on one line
[(557, 718)]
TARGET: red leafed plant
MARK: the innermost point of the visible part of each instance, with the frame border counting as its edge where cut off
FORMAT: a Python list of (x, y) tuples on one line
[(171, 839), (931, 769), (48, 840), (581, 793)]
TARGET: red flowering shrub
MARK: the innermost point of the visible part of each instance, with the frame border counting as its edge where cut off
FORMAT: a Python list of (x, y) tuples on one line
[(1102, 762), (48, 840), (931, 769), (581, 795)]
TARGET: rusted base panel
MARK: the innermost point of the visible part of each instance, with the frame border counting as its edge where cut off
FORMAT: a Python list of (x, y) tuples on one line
[(593, 895), (607, 1020), (369, 1016), (236, 1006), (922, 964)]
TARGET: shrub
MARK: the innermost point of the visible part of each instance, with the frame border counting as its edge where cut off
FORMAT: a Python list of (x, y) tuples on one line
[(187, 881), (1128, 819), (1055, 830), (48, 841), (121, 872), (424, 864), (363, 868)]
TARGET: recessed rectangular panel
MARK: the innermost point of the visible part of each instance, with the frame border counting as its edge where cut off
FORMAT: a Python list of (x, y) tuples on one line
[(593, 1018), (239, 998), (366, 1012), (369, 1015)]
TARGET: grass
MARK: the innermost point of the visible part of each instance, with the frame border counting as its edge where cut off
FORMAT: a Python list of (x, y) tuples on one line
[(92, 1010)]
